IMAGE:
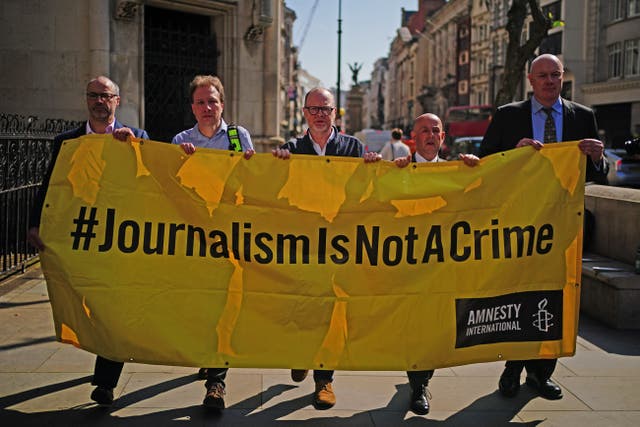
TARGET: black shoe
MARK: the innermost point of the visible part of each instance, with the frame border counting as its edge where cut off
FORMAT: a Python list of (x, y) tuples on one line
[(419, 400), (546, 388), (102, 396), (299, 375), (214, 398), (202, 374), (509, 383)]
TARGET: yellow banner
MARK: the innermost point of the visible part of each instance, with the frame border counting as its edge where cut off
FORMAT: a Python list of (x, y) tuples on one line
[(155, 256)]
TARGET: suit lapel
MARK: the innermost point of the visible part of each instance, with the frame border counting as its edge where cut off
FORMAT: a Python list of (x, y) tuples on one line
[(568, 120), (528, 123)]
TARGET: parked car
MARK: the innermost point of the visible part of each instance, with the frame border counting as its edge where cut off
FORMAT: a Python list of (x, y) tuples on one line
[(373, 139), (624, 168), (464, 145)]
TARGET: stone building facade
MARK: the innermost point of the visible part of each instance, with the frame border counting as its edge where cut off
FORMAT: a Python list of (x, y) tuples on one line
[(152, 49)]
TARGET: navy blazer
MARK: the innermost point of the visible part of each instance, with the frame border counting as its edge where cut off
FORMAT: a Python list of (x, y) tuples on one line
[(341, 145), (512, 122), (36, 211)]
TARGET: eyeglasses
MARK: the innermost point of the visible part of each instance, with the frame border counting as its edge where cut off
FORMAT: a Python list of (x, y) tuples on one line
[(104, 96), (315, 110)]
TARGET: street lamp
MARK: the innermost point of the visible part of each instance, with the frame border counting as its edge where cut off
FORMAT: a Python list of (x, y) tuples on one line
[(338, 110)]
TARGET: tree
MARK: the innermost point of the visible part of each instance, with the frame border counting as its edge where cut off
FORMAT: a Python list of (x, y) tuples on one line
[(519, 53)]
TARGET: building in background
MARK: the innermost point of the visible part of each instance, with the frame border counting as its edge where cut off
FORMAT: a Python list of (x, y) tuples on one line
[(453, 53), (152, 49), (612, 67)]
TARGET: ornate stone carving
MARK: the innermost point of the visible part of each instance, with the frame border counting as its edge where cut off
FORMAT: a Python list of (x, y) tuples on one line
[(126, 10)]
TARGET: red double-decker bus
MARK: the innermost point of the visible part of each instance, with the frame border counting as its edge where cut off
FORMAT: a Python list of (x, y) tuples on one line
[(467, 120)]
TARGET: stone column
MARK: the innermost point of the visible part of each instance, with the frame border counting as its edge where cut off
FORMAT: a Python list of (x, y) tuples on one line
[(99, 45), (354, 110)]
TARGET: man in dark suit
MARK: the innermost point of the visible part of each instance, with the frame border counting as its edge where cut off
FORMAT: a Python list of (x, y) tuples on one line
[(428, 134), (544, 118), (103, 97), (322, 139)]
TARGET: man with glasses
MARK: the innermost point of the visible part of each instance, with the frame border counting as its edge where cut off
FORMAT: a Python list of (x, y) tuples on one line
[(322, 139), (103, 97), (544, 118)]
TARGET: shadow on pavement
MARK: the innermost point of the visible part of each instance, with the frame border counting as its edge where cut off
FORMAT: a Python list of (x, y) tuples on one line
[(490, 410)]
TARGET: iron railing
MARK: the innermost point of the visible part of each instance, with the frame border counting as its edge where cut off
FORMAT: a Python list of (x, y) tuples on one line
[(25, 153)]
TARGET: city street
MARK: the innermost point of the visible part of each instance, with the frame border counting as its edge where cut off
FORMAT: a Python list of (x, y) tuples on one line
[(44, 382)]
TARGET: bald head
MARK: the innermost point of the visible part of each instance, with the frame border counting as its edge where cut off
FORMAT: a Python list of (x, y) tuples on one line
[(322, 92), (428, 135), (545, 78), (545, 59)]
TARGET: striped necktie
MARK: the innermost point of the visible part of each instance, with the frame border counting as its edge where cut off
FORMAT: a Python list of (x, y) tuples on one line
[(549, 127)]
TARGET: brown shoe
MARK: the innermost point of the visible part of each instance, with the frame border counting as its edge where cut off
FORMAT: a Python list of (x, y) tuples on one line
[(299, 375), (323, 398), (214, 398)]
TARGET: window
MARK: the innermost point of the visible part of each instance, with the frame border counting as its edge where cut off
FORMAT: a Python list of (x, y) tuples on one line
[(463, 87), (483, 32), (631, 58), (463, 58), (480, 97), (553, 9), (617, 9), (634, 8), (615, 60), (552, 44)]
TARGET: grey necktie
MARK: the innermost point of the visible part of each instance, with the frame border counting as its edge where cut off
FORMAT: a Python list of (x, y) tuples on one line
[(549, 127)]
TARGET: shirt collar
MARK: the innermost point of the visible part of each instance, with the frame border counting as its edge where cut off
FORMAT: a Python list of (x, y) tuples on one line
[(420, 159), (316, 146), (536, 106), (223, 128), (108, 129)]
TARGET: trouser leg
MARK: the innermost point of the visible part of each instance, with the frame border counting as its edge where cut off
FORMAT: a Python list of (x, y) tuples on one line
[(418, 378), (320, 375), (514, 367), (542, 368), (216, 375), (106, 372)]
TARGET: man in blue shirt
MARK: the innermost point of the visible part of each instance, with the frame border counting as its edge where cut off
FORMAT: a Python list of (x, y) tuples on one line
[(544, 118), (211, 131)]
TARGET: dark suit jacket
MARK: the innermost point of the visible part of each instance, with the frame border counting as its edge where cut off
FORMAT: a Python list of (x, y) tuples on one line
[(34, 218), (512, 122), (341, 145)]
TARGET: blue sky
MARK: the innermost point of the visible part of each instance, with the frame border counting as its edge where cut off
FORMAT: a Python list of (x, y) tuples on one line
[(368, 27)]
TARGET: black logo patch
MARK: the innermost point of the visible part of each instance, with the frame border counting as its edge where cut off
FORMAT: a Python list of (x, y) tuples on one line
[(523, 316)]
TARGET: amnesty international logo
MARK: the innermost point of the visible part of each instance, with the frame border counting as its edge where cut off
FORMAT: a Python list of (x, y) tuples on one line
[(542, 318), (522, 316)]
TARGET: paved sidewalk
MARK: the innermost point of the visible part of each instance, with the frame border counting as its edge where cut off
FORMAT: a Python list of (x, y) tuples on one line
[(43, 382)]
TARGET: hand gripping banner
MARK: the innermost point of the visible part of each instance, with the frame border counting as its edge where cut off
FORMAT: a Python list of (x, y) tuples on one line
[(155, 256)]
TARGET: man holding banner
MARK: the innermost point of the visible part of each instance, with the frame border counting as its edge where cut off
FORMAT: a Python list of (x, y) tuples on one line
[(428, 134), (322, 139), (544, 118), (103, 97), (211, 131)]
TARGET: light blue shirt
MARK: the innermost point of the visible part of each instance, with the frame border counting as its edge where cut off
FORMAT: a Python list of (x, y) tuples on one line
[(218, 141), (539, 117)]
